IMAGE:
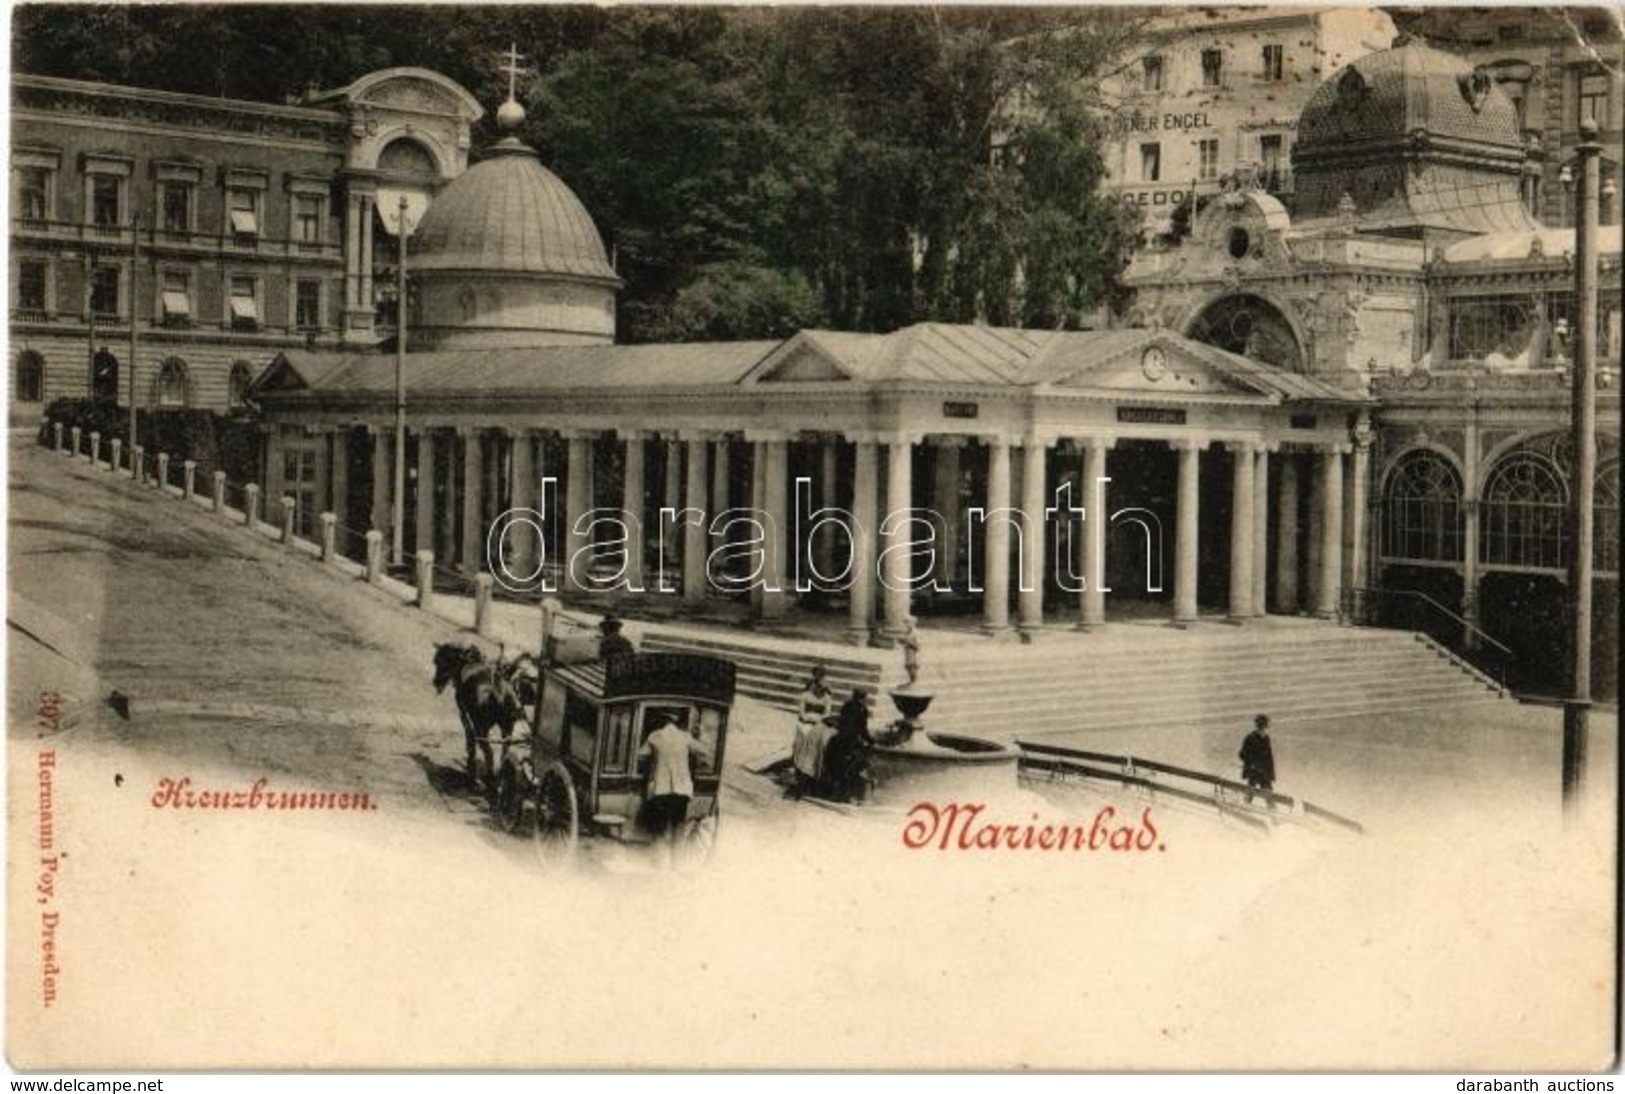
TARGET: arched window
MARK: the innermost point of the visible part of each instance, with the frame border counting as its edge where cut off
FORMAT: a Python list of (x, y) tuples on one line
[(1525, 509), (408, 157), (1606, 507), (242, 374), (172, 384), (1421, 510), (30, 377), (104, 377)]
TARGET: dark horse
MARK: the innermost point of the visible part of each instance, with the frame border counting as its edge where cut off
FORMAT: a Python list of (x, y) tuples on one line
[(488, 694)]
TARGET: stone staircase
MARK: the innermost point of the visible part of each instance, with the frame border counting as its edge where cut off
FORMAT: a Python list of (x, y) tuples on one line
[(1128, 677)]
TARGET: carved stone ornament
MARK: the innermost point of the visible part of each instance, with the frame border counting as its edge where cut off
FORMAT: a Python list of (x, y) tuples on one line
[(1351, 88), (1475, 87)]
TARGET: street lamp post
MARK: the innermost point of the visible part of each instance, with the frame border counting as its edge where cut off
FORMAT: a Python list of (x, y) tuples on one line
[(397, 509), (135, 274), (1577, 707)]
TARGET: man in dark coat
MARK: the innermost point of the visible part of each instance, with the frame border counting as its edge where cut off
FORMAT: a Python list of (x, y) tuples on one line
[(1258, 758), (846, 757), (611, 642)]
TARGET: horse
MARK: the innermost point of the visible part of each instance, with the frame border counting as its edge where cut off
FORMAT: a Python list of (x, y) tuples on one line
[(487, 694)]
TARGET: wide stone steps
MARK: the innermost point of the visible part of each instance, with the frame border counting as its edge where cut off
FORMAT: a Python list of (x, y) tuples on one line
[(1067, 683)]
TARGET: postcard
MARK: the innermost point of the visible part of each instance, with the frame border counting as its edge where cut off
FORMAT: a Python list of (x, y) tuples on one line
[(686, 538)]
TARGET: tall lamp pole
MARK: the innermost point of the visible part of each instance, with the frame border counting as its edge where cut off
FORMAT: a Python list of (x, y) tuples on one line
[(135, 274), (1577, 707), (397, 508)]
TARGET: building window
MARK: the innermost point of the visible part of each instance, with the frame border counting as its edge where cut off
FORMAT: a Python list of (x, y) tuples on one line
[(104, 292), (1207, 155), (1150, 162), (171, 383), (1594, 100), (243, 303), (34, 193), (1274, 62), (1525, 510), (106, 193), (1271, 162), (1212, 67), (237, 387), (104, 376), (177, 207), (30, 377), (1421, 511), (31, 278), (243, 213), (307, 219), (176, 297), (1151, 73), (307, 305)]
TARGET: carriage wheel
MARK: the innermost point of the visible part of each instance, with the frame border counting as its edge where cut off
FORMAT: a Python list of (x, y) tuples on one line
[(513, 787), (697, 844), (555, 821)]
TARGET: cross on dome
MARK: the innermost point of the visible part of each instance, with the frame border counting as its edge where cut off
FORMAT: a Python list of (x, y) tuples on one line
[(510, 114)]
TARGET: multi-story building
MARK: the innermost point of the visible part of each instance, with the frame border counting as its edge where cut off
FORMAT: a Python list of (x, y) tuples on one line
[(1558, 66), (1214, 88), (225, 231)]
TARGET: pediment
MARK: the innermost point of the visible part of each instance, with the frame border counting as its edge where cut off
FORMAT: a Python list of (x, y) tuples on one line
[(280, 376), (802, 359), (1157, 368)]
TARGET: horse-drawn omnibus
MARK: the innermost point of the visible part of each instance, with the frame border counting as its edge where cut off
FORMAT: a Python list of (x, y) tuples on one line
[(582, 769)]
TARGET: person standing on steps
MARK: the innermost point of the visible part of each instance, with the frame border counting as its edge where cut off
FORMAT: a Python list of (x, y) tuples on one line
[(1258, 758)]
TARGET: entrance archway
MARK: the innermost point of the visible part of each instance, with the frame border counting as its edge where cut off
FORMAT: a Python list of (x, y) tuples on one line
[(1251, 326)]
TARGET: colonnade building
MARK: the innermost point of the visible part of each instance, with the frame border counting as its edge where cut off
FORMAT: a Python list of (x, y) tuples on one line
[(1364, 396)]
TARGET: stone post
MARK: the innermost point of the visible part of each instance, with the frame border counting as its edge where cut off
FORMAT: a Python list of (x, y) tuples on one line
[(188, 478), (118, 454), (219, 491), (77, 432), (425, 578), (251, 504), (329, 523), (163, 470), (482, 604), (288, 506), (375, 556), (138, 464), (56, 436), (95, 448), (1185, 533)]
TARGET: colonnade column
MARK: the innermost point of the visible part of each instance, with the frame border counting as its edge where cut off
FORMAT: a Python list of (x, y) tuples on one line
[(899, 501), (1286, 539), (473, 541), (1030, 569), (945, 473), (447, 546), (861, 596), (694, 529), (1470, 532), (1331, 532), (1261, 529), (1242, 530), (522, 495), (671, 495), (828, 474), (996, 539), (1185, 532), (632, 499), (720, 503), (1355, 530), (577, 501), (338, 501), (381, 451), (1092, 601), (366, 257), (423, 527)]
